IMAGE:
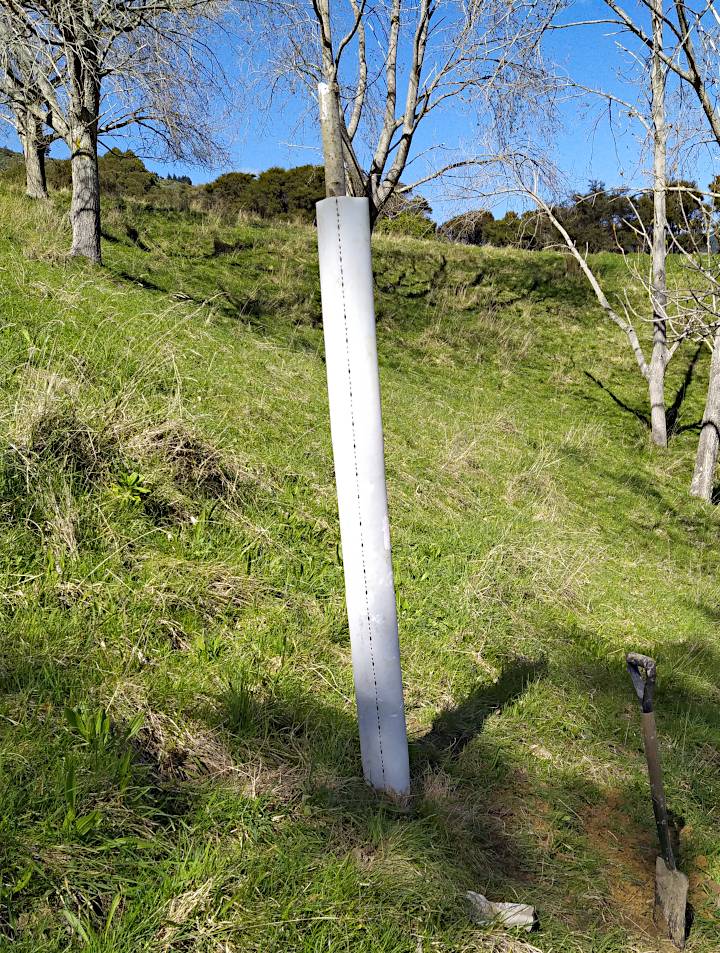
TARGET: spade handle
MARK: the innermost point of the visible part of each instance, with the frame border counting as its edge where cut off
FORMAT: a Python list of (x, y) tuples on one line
[(642, 671)]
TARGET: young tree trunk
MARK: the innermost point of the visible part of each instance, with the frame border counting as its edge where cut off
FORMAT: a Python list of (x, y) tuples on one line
[(707, 451), (332, 139), (85, 205), (656, 388), (659, 358), (34, 149)]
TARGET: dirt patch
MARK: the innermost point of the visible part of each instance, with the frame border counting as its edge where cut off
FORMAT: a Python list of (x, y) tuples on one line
[(629, 855)]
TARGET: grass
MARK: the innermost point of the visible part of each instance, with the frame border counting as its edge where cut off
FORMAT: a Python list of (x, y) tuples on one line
[(178, 755)]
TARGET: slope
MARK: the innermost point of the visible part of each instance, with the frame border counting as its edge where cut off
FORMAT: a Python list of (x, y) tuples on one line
[(179, 765)]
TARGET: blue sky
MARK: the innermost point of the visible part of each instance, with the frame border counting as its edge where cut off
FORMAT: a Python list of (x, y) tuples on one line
[(587, 146)]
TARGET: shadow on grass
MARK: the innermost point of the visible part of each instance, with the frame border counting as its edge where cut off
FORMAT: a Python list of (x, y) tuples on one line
[(451, 825), (673, 411), (638, 414), (145, 283), (686, 525), (674, 428), (539, 276), (484, 819), (455, 728), (481, 817)]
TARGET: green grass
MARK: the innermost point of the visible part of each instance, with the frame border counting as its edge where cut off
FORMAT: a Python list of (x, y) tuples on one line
[(179, 766)]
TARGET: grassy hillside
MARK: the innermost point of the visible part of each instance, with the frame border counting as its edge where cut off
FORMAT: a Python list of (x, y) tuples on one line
[(178, 757)]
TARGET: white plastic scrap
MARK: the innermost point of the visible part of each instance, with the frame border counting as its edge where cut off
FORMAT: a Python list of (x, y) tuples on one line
[(506, 914)]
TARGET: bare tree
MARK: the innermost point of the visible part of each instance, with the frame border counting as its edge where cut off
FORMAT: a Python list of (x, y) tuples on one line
[(653, 370), (528, 183), (703, 477), (101, 66), (18, 89), (695, 307), (659, 358), (393, 63), (693, 53), (692, 57)]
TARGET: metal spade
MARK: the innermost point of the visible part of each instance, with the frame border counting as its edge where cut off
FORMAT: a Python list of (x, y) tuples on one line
[(671, 886)]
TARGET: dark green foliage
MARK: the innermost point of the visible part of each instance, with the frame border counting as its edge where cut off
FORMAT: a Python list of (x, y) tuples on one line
[(123, 173), (229, 192), (470, 228), (406, 214), (598, 220), (9, 158), (603, 219), (401, 203), (59, 174), (12, 167), (275, 193), (480, 228)]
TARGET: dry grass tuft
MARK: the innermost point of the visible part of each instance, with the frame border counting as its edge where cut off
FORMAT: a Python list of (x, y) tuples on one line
[(183, 753), (60, 509), (208, 589), (195, 464), (44, 228), (180, 910), (60, 436), (506, 944)]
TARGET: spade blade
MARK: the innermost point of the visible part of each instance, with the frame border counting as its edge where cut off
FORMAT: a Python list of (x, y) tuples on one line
[(671, 890)]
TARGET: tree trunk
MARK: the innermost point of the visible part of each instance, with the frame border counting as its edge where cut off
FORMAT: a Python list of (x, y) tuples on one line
[(328, 95), (659, 359), (34, 149), (85, 205), (656, 388), (707, 451)]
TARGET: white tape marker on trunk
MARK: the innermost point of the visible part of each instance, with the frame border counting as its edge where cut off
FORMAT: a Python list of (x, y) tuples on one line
[(354, 390)]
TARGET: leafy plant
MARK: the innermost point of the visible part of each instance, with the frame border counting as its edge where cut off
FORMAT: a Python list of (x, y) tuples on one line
[(74, 823), (93, 726), (130, 488), (209, 646)]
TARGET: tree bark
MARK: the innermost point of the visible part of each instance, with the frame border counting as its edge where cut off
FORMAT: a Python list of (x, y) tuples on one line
[(332, 139), (329, 101), (659, 357), (85, 205), (709, 442), (34, 148)]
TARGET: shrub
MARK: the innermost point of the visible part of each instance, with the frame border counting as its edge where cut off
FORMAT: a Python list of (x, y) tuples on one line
[(412, 224)]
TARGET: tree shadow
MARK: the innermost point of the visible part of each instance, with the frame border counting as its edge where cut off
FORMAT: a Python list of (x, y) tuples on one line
[(316, 750), (672, 415), (541, 277), (145, 283), (638, 414), (673, 411), (455, 728), (477, 820)]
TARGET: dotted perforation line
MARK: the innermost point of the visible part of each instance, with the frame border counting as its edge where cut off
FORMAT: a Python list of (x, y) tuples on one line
[(357, 485)]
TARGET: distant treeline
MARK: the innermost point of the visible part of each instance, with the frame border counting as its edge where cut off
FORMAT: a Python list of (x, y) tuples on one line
[(275, 193), (599, 219)]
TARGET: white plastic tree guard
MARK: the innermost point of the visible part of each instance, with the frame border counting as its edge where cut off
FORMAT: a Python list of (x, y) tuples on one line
[(355, 419)]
